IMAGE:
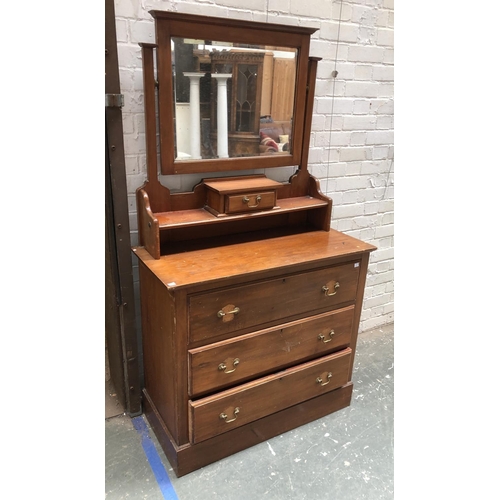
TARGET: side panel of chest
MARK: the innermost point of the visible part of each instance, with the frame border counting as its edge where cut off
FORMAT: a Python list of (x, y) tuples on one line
[(164, 362)]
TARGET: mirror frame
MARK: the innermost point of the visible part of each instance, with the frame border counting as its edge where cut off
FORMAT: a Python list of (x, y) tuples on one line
[(173, 24)]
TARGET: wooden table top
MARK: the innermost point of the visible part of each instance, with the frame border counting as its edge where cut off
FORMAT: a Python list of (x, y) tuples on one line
[(253, 257)]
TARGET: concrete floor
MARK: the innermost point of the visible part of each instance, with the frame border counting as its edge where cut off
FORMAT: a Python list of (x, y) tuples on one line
[(347, 455)]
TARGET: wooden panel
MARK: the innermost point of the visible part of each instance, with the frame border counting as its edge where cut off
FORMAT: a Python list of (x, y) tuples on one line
[(359, 303), (268, 350), (270, 300), (243, 183), (283, 89), (157, 315), (149, 234), (267, 395)]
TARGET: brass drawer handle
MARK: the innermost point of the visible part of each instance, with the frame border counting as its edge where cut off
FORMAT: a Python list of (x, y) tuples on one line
[(223, 366), (246, 199), (319, 380), (322, 337), (223, 416), (326, 289), (221, 313)]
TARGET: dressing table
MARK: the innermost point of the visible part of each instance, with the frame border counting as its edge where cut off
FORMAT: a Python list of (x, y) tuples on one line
[(250, 303)]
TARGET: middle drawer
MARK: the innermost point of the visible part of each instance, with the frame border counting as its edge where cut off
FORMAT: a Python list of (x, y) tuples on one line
[(232, 361)]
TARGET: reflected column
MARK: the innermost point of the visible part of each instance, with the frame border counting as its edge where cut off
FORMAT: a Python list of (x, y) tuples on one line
[(194, 113), (222, 129)]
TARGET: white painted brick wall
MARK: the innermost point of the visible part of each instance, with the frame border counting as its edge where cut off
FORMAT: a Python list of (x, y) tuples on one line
[(352, 143)]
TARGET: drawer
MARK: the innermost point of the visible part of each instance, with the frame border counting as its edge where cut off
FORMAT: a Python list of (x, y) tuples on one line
[(245, 307), (233, 195), (249, 202), (232, 361), (233, 408)]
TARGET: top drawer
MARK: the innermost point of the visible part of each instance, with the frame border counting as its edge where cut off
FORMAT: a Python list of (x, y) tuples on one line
[(245, 307), (234, 195)]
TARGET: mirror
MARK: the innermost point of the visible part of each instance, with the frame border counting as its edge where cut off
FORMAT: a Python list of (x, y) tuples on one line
[(232, 101), (231, 94)]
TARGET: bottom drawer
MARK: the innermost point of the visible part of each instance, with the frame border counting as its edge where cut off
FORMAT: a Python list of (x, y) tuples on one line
[(227, 410)]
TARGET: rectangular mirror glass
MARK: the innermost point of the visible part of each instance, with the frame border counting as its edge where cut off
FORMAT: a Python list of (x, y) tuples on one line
[(232, 100)]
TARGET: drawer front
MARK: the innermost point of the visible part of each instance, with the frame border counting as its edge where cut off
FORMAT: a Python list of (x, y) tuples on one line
[(232, 361), (223, 311), (250, 202), (230, 409)]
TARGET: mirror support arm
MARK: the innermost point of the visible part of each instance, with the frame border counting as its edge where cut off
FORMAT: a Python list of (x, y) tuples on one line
[(300, 182), (158, 194), (311, 86)]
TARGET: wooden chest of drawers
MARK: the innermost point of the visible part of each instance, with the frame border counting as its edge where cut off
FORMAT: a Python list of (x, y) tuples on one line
[(235, 354)]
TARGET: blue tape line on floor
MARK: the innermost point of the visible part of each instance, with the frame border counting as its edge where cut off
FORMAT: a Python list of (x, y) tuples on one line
[(154, 460)]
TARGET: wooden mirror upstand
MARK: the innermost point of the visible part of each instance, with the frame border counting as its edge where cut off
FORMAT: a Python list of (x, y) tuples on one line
[(250, 303)]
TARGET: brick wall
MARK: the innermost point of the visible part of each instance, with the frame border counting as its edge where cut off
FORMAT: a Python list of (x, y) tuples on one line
[(352, 138)]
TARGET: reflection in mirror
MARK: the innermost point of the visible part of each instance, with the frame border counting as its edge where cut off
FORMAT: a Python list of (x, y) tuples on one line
[(232, 100)]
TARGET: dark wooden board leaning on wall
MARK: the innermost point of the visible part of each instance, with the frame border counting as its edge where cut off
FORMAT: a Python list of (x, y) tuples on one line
[(120, 321)]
